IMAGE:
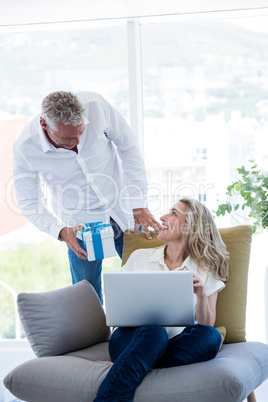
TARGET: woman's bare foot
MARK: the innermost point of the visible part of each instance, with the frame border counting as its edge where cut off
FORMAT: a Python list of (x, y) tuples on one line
[(105, 362)]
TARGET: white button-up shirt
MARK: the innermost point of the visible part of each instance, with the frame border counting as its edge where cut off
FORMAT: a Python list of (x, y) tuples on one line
[(153, 259), (59, 187)]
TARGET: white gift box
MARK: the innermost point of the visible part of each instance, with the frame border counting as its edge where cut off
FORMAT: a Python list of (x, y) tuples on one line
[(98, 239)]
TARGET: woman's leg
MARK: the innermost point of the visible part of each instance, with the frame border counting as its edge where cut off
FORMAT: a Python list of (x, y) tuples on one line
[(195, 344), (134, 352)]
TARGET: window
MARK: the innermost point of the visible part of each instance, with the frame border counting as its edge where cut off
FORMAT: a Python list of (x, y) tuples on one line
[(205, 114), (205, 102), (33, 65), (199, 154)]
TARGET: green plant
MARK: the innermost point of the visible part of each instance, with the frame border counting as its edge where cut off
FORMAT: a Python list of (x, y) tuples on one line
[(253, 188)]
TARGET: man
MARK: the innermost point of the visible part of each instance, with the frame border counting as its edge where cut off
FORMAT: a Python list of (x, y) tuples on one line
[(79, 162)]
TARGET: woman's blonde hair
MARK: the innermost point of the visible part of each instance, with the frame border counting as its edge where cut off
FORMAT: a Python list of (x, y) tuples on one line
[(203, 241)]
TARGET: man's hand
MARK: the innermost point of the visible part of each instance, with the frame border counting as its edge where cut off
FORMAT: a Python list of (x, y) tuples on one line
[(69, 236), (143, 217)]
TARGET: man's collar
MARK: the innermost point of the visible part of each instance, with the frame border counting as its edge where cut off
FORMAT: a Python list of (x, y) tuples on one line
[(83, 137), (47, 146)]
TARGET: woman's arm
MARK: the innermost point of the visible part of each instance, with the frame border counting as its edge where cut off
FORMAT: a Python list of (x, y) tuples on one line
[(206, 305)]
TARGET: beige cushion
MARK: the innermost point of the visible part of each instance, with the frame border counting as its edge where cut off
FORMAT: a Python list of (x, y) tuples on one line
[(138, 240), (232, 301), (231, 304), (64, 320)]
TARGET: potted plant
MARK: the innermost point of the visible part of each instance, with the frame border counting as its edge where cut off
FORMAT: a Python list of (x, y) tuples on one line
[(253, 188)]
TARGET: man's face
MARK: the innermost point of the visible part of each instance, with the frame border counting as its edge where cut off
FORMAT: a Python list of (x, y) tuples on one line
[(65, 136)]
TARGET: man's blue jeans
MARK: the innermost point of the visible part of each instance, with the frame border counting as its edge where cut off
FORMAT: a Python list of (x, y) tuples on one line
[(135, 351), (91, 270)]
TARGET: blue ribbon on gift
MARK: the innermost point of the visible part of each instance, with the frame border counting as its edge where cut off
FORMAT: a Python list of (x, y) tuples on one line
[(95, 228)]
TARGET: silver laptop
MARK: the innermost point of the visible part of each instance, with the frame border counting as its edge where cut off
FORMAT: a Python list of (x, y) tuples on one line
[(142, 298)]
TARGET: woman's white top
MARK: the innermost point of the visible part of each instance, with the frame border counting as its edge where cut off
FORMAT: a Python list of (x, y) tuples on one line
[(152, 259)]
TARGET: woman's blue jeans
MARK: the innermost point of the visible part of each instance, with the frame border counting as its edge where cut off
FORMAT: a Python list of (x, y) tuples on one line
[(91, 270), (135, 351)]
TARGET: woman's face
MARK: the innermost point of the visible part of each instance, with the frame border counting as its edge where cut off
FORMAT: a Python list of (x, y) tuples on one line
[(174, 224)]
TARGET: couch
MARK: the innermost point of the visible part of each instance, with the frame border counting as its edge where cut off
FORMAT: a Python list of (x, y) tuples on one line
[(67, 331)]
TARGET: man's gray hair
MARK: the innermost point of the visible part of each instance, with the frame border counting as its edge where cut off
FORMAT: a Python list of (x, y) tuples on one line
[(62, 106)]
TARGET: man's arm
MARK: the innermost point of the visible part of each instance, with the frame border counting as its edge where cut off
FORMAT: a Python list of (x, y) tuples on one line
[(30, 199), (133, 165)]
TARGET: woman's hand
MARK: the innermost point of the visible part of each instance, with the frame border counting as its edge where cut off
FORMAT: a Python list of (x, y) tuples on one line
[(198, 286), (206, 305)]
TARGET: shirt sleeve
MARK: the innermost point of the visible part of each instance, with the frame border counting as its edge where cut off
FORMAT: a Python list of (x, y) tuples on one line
[(213, 285), (129, 152), (30, 196)]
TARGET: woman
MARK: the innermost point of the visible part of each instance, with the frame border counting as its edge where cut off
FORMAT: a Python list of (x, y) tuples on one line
[(192, 242)]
